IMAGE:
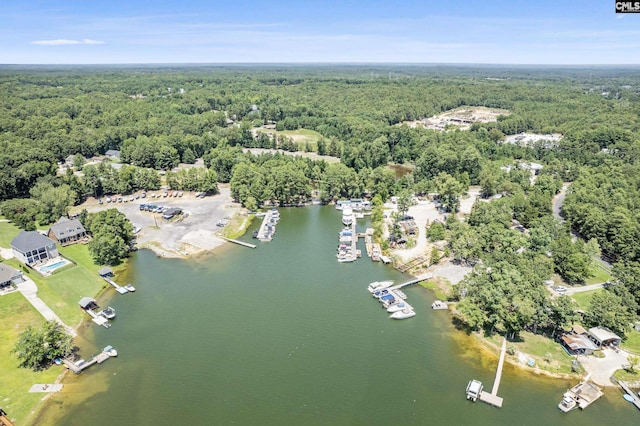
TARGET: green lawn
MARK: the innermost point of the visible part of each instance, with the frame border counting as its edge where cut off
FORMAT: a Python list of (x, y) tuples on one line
[(632, 342), (16, 314), (584, 299), (301, 136), (541, 349), (600, 275), (8, 231), (62, 290)]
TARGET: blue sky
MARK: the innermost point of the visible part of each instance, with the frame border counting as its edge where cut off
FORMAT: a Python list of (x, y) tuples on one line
[(464, 31)]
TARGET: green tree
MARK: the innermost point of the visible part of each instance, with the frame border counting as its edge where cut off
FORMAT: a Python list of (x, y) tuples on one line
[(37, 348), (449, 190)]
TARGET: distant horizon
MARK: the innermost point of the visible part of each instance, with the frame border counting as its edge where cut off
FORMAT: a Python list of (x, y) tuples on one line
[(327, 63), (500, 32)]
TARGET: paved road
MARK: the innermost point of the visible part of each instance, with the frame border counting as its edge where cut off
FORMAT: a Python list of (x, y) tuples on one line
[(30, 291), (582, 289)]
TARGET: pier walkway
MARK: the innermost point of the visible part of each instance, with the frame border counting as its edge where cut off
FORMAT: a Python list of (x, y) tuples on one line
[(80, 366), (242, 243), (408, 283), (624, 385), (493, 398)]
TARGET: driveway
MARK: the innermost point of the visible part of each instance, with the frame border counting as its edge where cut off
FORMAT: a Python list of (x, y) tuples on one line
[(601, 369), (30, 291), (574, 290)]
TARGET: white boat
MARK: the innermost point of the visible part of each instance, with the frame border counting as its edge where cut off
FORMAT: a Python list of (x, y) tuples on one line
[(439, 304), (379, 285), (108, 312), (347, 216), (130, 287), (474, 389), (405, 313), (397, 307), (110, 350), (568, 402)]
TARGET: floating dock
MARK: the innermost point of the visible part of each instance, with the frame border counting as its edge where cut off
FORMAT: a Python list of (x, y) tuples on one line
[(625, 386), (349, 239), (493, 398), (79, 366), (268, 226)]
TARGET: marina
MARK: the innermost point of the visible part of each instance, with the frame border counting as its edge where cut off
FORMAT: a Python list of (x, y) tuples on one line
[(81, 365), (268, 227)]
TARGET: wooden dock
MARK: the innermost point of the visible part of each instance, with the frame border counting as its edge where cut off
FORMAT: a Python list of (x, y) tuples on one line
[(115, 285), (408, 283), (625, 386), (242, 243), (268, 226), (493, 398), (79, 368), (4, 420)]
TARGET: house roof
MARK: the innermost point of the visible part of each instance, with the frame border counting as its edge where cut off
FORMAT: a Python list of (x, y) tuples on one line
[(30, 240), (577, 341), (602, 334), (578, 329), (65, 228), (172, 210), (7, 273), (86, 302), (113, 153), (105, 271)]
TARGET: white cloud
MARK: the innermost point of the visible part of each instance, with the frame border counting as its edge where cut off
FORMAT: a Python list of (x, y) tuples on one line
[(62, 41)]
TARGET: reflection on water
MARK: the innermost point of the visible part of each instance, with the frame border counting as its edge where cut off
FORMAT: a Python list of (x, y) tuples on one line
[(284, 334)]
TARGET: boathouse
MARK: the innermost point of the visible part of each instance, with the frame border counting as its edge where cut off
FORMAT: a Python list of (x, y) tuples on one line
[(67, 231), (105, 272), (31, 248), (577, 344), (602, 336)]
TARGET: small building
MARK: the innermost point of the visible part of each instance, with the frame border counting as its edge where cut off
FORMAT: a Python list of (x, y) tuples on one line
[(31, 248), (602, 336), (578, 344), (9, 276), (67, 231), (105, 272), (112, 153), (69, 160), (87, 303), (171, 212)]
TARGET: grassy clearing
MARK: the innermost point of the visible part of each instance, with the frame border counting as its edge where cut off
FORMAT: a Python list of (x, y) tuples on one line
[(437, 289), (627, 376), (632, 342), (547, 353), (300, 136), (584, 299), (600, 275), (8, 231), (16, 314), (237, 225)]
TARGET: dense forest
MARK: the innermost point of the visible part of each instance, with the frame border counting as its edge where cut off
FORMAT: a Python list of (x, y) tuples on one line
[(159, 117)]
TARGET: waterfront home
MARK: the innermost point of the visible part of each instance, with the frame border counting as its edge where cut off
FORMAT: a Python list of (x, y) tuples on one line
[(67, 231), (32, 248), (9, 276)]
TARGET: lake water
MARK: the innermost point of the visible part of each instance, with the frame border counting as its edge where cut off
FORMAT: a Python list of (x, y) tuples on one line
[(285, 335)]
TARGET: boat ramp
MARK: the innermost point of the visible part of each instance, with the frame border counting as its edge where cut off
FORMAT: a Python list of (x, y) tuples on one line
[(79, 366), (268, 227)]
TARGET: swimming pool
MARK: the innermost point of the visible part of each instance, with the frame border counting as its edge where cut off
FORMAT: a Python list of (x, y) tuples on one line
[(54, 266)]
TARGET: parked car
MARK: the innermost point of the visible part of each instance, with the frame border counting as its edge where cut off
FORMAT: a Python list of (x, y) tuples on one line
[(560, 289), (108, 199), (143, 195)]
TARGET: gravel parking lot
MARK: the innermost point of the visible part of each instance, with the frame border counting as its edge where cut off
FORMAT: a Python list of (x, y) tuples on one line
[(196, 231)]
